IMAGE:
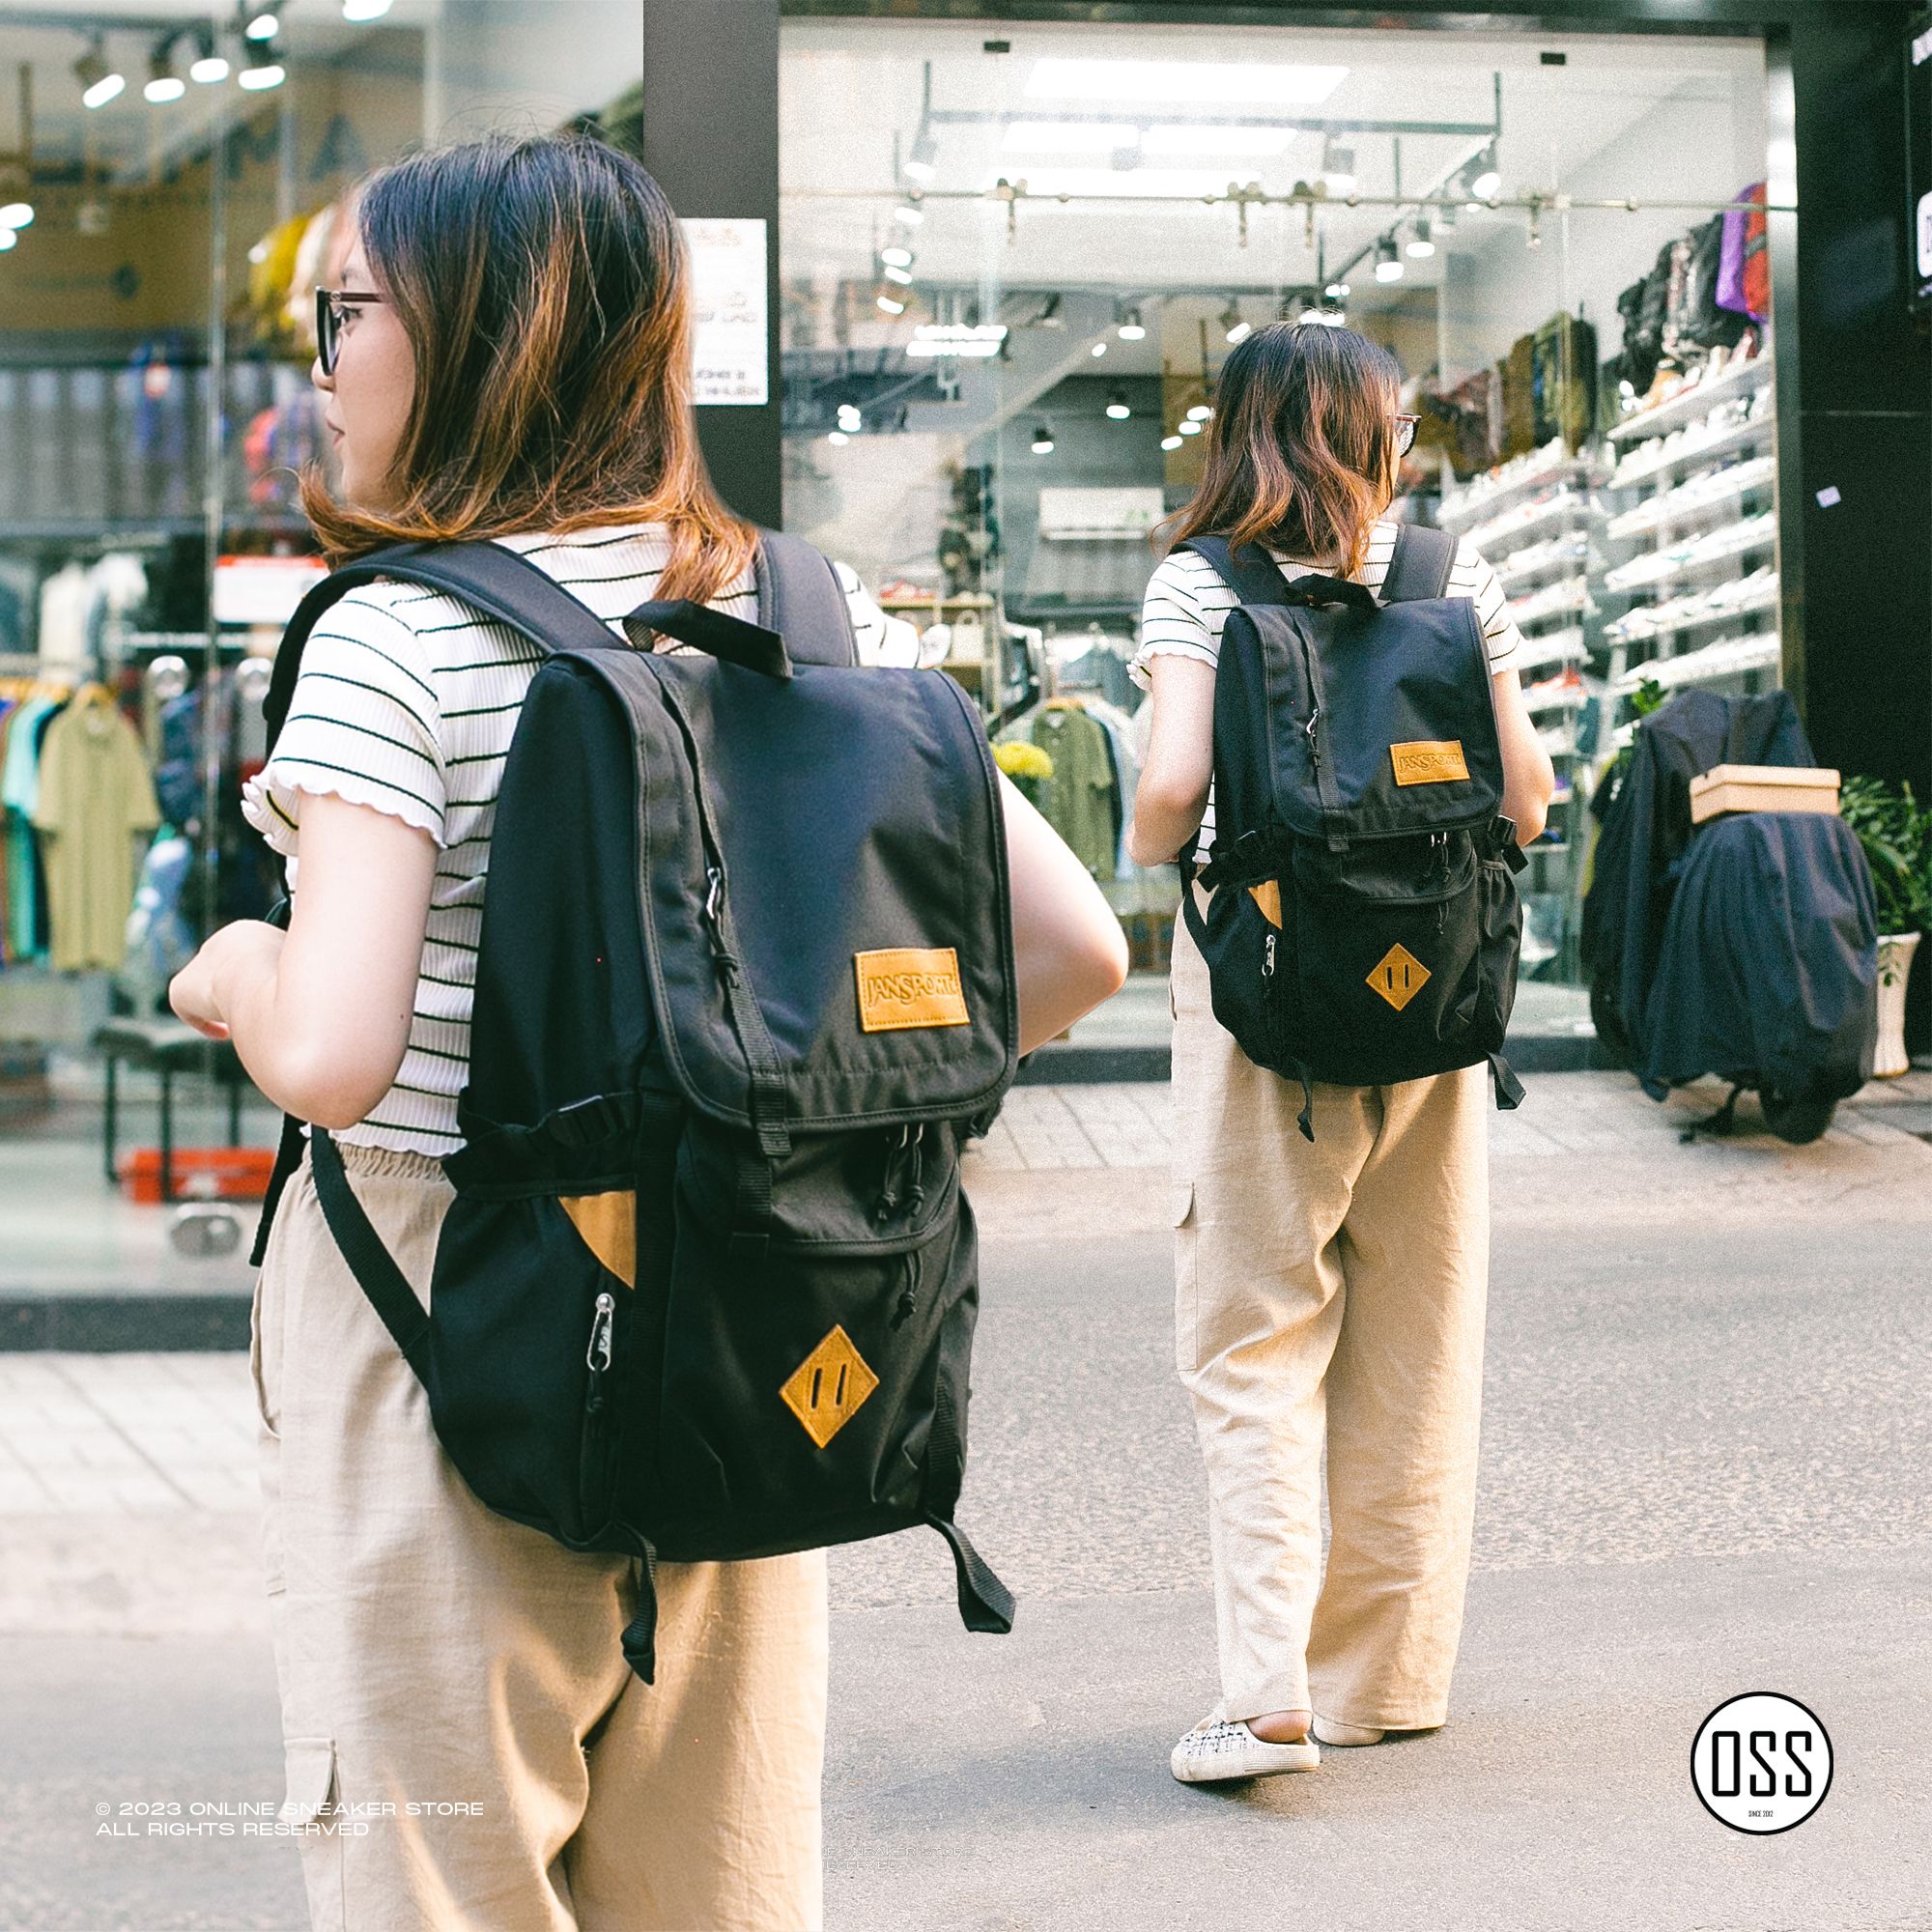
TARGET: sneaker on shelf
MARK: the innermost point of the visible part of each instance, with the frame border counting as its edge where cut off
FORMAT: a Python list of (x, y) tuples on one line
[(1215, 1750)]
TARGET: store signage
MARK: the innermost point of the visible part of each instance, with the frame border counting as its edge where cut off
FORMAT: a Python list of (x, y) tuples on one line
[(956, 338), (263, 589), (730, 317), (1919, 157)]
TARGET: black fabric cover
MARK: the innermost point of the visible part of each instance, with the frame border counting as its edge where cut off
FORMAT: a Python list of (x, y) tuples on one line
[(1751, 935), (1768, 970)]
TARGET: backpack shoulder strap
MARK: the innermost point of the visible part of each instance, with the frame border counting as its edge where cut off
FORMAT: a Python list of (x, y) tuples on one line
[(1251, 575), (1421, 565), (800, 597), (494, 579)]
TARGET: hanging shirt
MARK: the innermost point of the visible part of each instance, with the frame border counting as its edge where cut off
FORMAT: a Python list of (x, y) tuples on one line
[(406, 702), (1187, 604), (1079, 801), (19, 789), (95, 799)]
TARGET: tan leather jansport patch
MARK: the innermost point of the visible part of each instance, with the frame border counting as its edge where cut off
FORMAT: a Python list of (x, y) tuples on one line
[(1428, 761), (909, 986)]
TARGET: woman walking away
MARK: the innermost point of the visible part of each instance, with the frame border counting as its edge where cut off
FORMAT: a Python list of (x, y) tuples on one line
[(509, 358), (1334, 1287)]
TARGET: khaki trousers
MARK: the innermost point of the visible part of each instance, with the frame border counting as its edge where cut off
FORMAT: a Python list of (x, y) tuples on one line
[(432, 1655), (1332, 1290)]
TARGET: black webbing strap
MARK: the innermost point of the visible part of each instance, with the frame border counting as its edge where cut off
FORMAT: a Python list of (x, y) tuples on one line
[(288, 1158), (1508, 1087), (640, 1634), (375, 1270), (986, 1603), (1421, 565), (717, 634), (1250, 573)]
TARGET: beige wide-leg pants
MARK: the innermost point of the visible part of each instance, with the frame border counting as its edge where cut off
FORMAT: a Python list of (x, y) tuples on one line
[(1330, 1292), (432, 1655)]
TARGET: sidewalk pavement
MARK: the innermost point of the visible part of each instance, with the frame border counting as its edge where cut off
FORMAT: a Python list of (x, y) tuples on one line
[(1704, 1471)]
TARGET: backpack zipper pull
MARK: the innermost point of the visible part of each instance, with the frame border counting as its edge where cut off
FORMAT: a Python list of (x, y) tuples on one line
[(598, 1356), (1314, 743), (1268, 959), (889, 1199)]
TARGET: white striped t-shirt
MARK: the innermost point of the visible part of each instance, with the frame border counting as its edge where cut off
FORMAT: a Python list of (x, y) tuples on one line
[(1187, 604), (406, 702)]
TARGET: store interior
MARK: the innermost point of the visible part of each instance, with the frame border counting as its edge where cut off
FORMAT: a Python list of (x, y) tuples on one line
[(1015, 256), (1011, 261)]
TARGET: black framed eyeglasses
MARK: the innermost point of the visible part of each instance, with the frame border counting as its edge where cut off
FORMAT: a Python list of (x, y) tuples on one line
[(1404, 433), (331, 314)]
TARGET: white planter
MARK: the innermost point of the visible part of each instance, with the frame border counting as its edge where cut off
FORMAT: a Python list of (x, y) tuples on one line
[(1895, 968)]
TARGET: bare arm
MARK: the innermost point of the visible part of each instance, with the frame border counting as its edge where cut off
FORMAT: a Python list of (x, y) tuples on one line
[(1172, 789), (320, 1016), (1068, 945), (1529, 780)]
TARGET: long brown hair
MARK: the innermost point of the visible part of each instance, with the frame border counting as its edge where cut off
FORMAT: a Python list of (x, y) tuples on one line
[(543, 284), (1301, 448)]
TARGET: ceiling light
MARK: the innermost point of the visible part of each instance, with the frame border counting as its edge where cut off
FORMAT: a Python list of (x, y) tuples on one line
[(1185, 83), (1070, 137), (1198, 414), (1240, 331), (263, 25), (849, 419), (1388, 264), (837, 437), (890, 303), (923, 162), (894, 274), (910, 213), (1181, 137), (1169, 442), (163, 83), (1191, 427), (364, 9), (208, 69), (1042, 441), (1446, 217), (16, 215), (897, 258), (1099, 347), (7, 240), (1133, 328), (1118, 408), (268, 73), (99, 82), (1145, 184), (1337, 292), (1421, 244), (1230, 321), (977, 339), (1488, 180)]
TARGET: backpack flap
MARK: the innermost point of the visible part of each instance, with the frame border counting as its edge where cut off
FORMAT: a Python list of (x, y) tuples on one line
[(829, 847), (1381, 723)]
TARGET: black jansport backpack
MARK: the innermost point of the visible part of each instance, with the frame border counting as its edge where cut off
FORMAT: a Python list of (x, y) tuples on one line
[(707, 1289), (1366, 925)]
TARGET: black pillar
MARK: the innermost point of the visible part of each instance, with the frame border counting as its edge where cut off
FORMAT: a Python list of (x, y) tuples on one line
[(1855, 474), (711, 138)]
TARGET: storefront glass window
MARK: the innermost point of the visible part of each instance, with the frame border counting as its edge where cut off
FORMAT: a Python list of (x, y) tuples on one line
[(170, 183), (1014, 258)]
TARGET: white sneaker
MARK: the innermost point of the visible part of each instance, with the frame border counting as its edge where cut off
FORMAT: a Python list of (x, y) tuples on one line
[(1215, 1750), (1332, 1733)]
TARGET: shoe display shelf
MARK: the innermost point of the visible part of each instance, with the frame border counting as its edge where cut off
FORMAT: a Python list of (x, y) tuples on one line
[(1538, 521)]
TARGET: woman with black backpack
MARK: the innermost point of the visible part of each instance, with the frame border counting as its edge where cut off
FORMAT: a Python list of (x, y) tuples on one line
[(508, 357), (1330, 1288)]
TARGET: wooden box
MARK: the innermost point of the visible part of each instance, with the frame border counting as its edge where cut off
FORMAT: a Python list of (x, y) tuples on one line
[(1763, 788)]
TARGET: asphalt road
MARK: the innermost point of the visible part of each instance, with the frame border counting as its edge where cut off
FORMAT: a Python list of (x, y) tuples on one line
[(1705, 1471)]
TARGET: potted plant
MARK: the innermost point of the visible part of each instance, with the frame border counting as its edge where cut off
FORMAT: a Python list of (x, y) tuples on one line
[(1896, 833)]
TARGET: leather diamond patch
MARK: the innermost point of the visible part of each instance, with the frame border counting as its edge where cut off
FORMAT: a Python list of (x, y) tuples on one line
[(1397, 975), (828, 1387)]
